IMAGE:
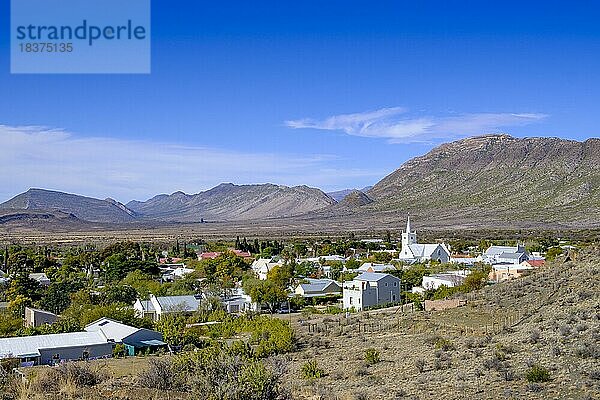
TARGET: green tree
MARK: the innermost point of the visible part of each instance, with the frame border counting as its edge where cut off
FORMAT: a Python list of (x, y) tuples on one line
[(172, 326), (265, 292), (9, 323), (553, 252), (476, 280), (17, 305), (142, 283), (120, 294), (58, 296), (22, 285), (352, 264)]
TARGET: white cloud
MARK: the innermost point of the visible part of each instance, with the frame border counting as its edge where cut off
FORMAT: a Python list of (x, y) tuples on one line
[(397, 126), (34, 156)]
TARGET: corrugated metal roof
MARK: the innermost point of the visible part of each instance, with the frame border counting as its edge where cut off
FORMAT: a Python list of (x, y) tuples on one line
[(31, 345), (497, 250), (113, 330), (372, 276), (511, 256), (376, 267), (178, 303), (147, 305)]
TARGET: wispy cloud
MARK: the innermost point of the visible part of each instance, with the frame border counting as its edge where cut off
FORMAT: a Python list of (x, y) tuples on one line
[(34, 156), (398, 126)]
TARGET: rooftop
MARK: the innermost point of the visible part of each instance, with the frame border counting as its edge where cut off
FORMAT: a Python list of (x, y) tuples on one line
[(113, 330), (372, 276), (31, 345), (178, 303)]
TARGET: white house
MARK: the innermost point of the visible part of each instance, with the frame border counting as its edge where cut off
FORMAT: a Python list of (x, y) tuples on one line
[(134, 339), (370, 289), (40, 277), (412, 251), (238, 301), (373, 267), (448, 279), (157, 306), (318, 288), (505, 255), (262, 266)]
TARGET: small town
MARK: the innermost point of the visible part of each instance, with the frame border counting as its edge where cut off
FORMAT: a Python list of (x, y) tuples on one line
[(141, 301)]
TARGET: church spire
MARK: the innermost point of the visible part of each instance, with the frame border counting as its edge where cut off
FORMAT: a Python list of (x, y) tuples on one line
[(408, 223)]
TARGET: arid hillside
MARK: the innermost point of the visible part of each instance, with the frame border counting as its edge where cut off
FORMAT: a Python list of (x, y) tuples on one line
[(548, 321)]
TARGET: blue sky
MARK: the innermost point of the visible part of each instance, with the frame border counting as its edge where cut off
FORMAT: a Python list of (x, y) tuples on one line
[(331, 94)]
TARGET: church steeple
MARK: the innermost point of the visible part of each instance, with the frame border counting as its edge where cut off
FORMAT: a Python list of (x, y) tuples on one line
[(408, 237)]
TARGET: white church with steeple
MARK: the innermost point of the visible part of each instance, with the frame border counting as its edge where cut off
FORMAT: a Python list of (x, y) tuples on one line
[(418, 252)]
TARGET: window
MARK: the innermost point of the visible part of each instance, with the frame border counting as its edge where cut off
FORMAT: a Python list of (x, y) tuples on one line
[(395, 284), (351, 300), (386, 284)]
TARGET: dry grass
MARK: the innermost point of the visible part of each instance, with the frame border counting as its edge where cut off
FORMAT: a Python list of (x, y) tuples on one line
[(460, 365)]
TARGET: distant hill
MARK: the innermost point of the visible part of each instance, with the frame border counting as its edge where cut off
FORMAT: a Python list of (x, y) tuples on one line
[(84, 208), (355, 198), (497, 178), (229, 202), (340, 194)]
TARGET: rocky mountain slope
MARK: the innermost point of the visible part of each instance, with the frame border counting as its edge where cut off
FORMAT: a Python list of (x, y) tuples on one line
[(354, 199), (233, 202), (340, 194), (497, 178), (84, 208)]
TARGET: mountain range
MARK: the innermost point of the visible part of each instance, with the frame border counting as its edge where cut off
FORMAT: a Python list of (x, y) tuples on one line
[(229, 202), (481, 181)]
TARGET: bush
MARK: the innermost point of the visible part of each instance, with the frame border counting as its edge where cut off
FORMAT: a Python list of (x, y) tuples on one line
[(74, 374), (587, 350), (537, 374), (334, 310), (444, 344), (119, 351), (309, 310), (420, 364), (6, 381), (534, 336), (160, 374), (442, 360), (595, 374), (372, 356), (311, 370), (494, 363), (213, 374)]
